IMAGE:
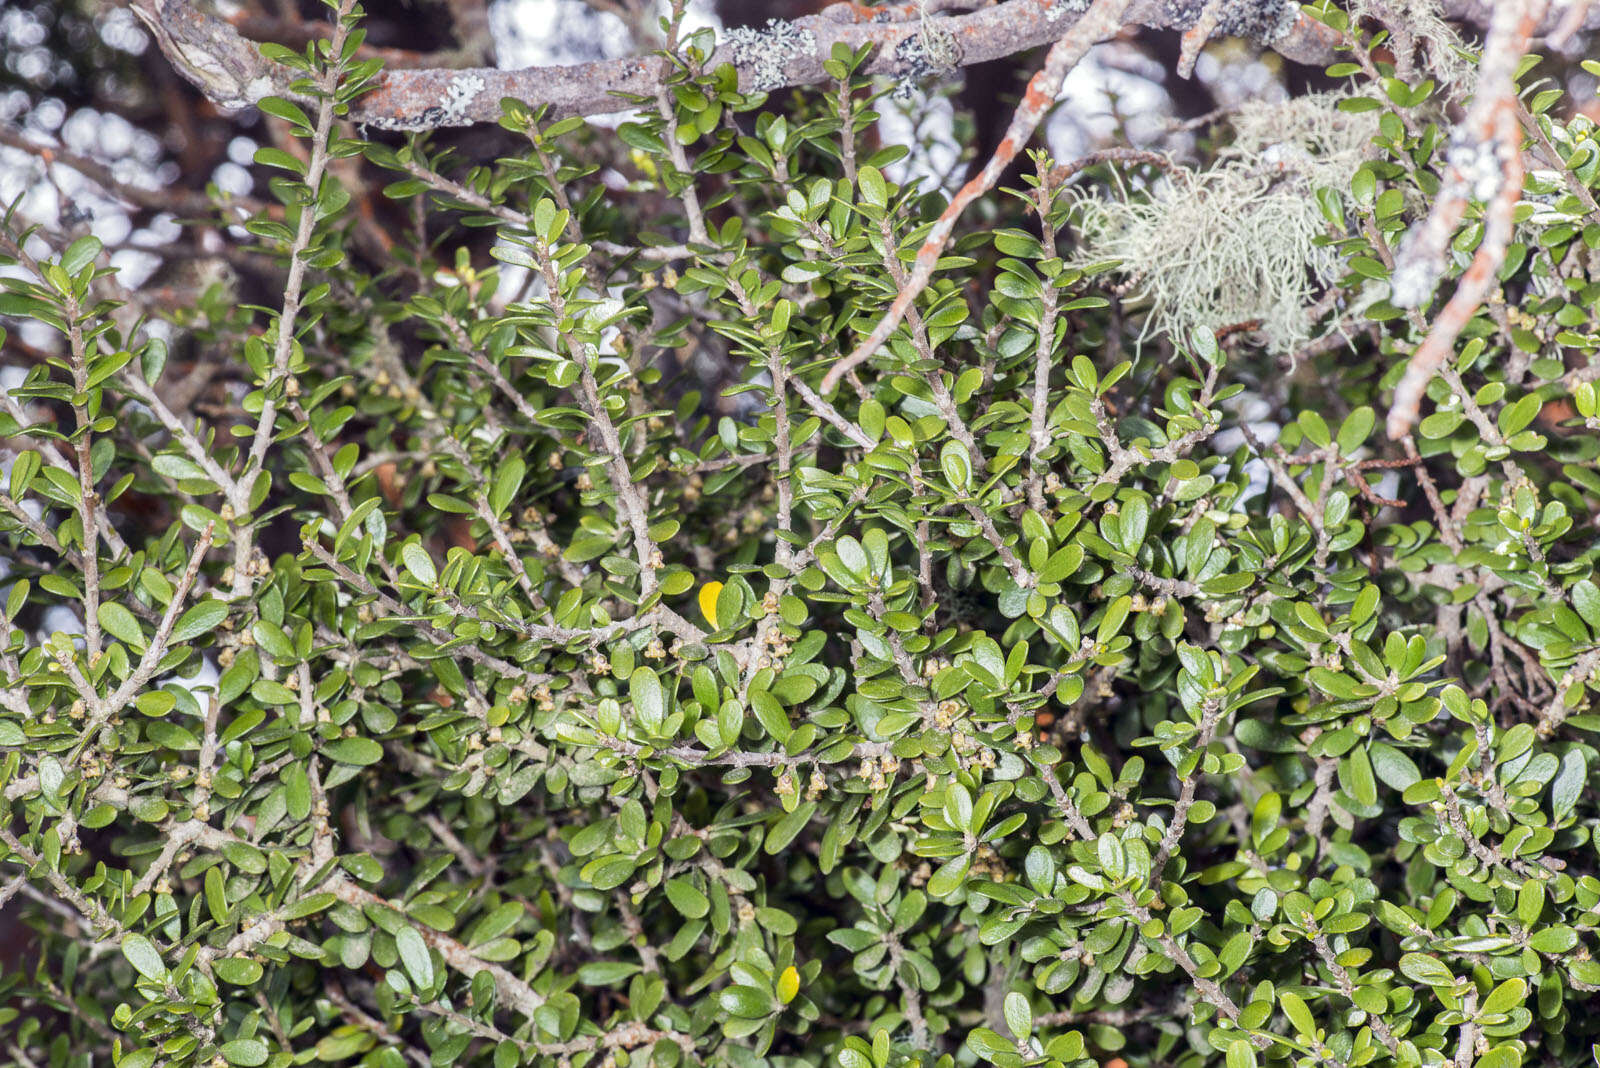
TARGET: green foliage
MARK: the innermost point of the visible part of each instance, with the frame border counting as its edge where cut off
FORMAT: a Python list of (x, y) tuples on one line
[(978, 713)]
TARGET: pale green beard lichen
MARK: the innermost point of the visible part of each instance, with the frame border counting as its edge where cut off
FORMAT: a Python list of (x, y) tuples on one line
[(1237, 243), (1423, 24)]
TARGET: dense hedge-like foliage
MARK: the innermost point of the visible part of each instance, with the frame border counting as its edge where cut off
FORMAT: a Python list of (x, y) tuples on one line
[(534, 667)]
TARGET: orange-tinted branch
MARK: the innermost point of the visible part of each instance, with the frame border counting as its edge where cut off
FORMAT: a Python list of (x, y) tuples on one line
[(1484, 163), (1102, 20)]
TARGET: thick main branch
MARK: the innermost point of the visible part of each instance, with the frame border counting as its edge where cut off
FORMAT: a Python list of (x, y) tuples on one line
[(230, 69)]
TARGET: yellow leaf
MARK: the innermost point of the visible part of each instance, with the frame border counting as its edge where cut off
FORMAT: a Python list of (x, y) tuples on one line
[(708, 602), (788, 984)]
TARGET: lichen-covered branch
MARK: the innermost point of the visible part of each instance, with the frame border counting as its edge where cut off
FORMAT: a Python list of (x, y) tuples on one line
[(226, 66), (1484, 164)]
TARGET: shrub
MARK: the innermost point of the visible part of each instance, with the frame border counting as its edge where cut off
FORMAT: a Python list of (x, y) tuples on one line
[(531, 664)]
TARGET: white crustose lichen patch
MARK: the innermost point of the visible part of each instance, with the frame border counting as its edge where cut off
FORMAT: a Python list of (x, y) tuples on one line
[(1477, 170), (463, 90), (459, 95), (1259, 20), (1414, 276), (1062, 8), (765, 54), (931, 53), (1478, 163)]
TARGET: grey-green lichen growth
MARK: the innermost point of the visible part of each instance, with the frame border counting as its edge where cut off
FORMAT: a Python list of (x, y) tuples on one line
[(1260, 20), (765, 54), (1238, 242), (1062, 8), (931, 52)]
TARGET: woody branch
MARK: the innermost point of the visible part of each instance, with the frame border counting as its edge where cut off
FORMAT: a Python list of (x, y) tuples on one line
[(230, 69)]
